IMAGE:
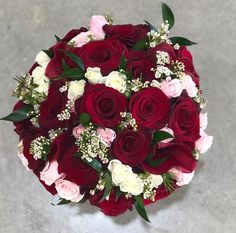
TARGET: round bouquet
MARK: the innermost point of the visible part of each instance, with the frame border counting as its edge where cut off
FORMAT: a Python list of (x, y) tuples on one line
[(111, 115)]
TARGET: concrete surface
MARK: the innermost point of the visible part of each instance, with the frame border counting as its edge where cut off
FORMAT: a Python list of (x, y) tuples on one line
[(208, 205)]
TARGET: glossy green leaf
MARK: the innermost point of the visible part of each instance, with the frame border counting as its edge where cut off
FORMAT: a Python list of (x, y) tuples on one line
[(57, 38), (84, 119), (123, 62), (152, 27), (168, 15), (65, 66), (19, 114), (74, 73), (94, 164), (49, 52), (182, 41), (75, 59), (159, 136), (139, 206), (156, 162), (108, 186), (140, 45)]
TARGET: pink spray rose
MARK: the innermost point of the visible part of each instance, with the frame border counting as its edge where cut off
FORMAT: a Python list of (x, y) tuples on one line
[(171, 87), (20, 154), (204, 142), (82, 39), (96, 26), (106, 135), (68, 190), (190, 86), (203, 120), (78, 130), (50, 173), (180, 177)]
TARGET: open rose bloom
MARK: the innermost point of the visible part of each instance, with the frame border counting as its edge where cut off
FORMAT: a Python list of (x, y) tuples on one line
[(111, 114)]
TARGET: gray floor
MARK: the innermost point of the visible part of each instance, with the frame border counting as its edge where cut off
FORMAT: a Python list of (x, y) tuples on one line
[(208, 205)]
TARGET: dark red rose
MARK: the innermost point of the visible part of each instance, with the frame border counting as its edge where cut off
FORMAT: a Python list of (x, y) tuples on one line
[(76, 170), (105, 54), (184, 119), (35, 165), (54, 67), (183, 52), (52, 106), (113, 206), (140, 65), (175, 154), (127, 34), (73, 33), (24, 128), (161, 193), (131, 147), (150, 107), (103, 104)]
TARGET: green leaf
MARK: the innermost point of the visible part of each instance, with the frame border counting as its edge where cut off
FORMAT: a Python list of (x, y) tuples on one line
[(64, 65), (57, 38), (140, 45), (139, 206), (75, 59), (181, 41), (64, 202), (108, 186), (74, 73), (19, 114), (94, 164), (123, 62), (57, 200), (83, 200), (157, 162), (160, 136), (152, 27), (49, 52), (84, 119), (168, 15), (118, 193)]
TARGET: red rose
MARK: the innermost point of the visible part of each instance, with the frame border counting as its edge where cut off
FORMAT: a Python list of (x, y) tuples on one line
[(54, 67), (73, 33), (113, 206), (127, 34), (105, 54), (161, 193), (131, 147), (140, 65), (103, 104), (76, 170), (176, 155), (52, 106), (184, 119), (150, 107)]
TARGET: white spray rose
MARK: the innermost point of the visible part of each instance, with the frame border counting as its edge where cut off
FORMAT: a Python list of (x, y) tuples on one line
[(133, 185), (40, 79), (117, 81), (76, 89), (93, 75), (42, 59), (156, 180)]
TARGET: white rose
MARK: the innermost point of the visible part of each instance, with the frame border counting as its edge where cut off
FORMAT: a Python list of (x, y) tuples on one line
[(42, 59), (43, 88), (117, 81), (76, 89), (156, 180), (93, 75), (40, 79), (119, 171), (68, 190), (133, 185)]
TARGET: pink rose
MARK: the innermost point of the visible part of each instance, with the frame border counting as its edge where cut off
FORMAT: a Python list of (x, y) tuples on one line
[(78, 130), (20, 154), (204, 142), (106, 135), (171, 87), (82, 39), (68, 190), (170, 131), (181, 177), (50, 173), (190, 86), (96, 26), (203, 120)]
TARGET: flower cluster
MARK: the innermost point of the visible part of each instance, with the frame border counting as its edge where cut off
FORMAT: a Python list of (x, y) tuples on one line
[(112, 115)]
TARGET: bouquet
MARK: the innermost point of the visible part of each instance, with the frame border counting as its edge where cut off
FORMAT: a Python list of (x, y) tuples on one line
[(112, 115)]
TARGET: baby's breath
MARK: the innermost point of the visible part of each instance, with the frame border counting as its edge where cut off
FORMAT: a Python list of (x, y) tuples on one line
[(40, 147)]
